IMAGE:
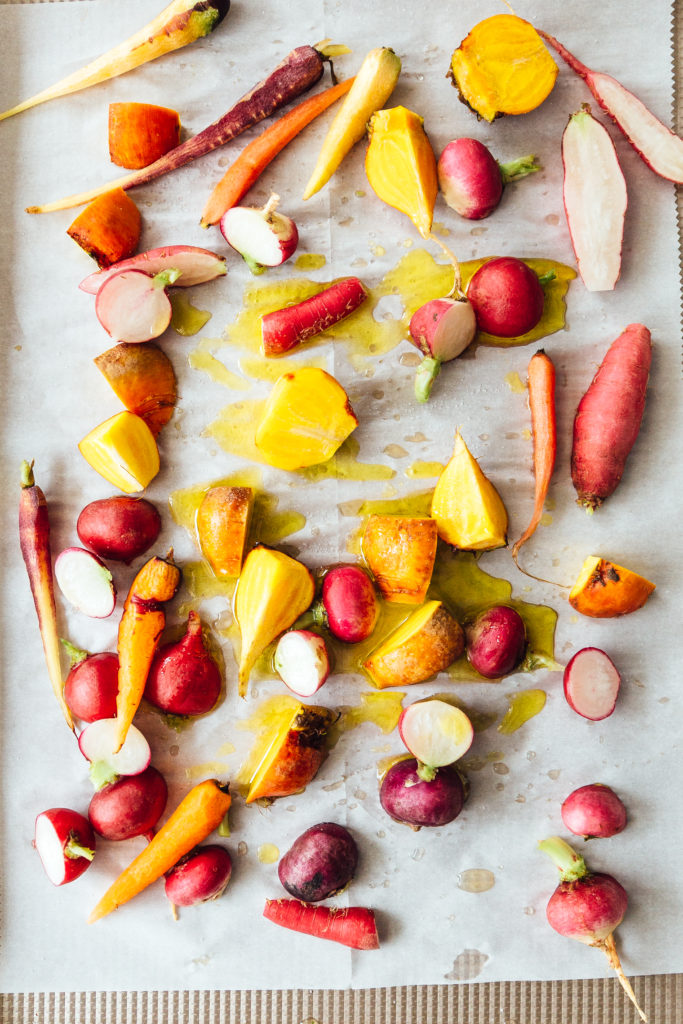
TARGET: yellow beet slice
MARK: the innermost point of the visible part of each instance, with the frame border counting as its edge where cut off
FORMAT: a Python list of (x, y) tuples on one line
[(123, 451), (290, 755), (401, 166), (604, 590), (222, 527), (400, 552), (426, 643), (468, 510)]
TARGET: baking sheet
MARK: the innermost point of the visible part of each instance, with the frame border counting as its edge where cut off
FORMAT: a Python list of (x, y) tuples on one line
[(424, 941)]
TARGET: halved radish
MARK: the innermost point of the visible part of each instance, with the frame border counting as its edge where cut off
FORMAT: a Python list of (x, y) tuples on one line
[(436, 733), (262, 237), (441, 329), (591, 684), (65, 843), (132, 306), (99, 740), (302, 662), (196, 266), (86, 582)]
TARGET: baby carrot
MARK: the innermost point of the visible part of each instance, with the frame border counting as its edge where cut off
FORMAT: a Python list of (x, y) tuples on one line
[(541, 377), (195, 817), (351, 926)]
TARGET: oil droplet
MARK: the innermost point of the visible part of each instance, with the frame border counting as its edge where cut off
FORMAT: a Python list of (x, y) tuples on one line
[(552, 218), (333, 785), (410, 359), (226, 748), (408, 243), (500, 768), (546, 519), (207, 770), (526, 435), (467, 965), (395, 451), (359, 193), (476, 880), (417, 854), (360, 794), (416, 438), (174, 750), (554, 774), (310, 261), (378, 250), (420, 469), (478, 231), (383, 766), (515, 383), (519, 799), (359, 262), (481, 720), (382, 709), (523, 706), (201, 359), (268, 853), (242, 849), (440, 229), (186, 319), (344, 465), (418, 504)]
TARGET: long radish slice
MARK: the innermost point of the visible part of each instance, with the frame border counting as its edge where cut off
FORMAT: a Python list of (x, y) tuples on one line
[(195, 265), (659, 147), (595, 200)]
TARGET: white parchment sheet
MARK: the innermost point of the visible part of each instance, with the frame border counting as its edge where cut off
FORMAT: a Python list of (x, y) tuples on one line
[(53, 395)]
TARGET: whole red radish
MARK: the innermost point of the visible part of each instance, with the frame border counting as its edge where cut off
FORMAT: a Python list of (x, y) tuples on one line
[(350, 603), (587, 906), (609, 416), (130, 806), (184, 679), (86, 582), (441, 329), (507, 297), (301, 661), (65, 843), (496, 641), (92, 684), (199, 876), (263, 237), (119, 528), (594, 812), (417, 802), (591, 684), (472, 180), (133, 307), (320, 863), (436, 733)]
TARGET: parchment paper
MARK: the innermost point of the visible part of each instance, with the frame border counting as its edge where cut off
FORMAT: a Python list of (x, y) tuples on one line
[(431, 931)]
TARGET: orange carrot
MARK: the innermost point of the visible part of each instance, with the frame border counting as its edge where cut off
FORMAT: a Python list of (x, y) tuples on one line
[(140, 630), (351, 926), (541, 377), (140, 133), (109, 228), (255, 157), (197, 815)]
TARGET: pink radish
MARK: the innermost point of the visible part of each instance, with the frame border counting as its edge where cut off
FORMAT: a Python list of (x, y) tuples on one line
[(130, 806), (587, 906), (262, 237), (65, 843), (594, 812), (196, 266), (120, 528), (591, 684), (349, 603), (661, 150), (92, 684), (184, 679), (199, 876), (441, 329), (301, 661), (86, 582), (436, 733), (283, 329), (471, 179), (595, 200), (98, 742), (507, 297), (496, 641), (132, 306)]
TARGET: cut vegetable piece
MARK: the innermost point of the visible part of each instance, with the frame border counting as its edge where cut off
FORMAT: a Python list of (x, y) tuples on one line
[(441, 329), (142, 377), (468, 510), (284, 328), (604, 590), (98, 744), (139, 133), (65, 843), (262, 236), (133, 307), (306, 418), (428, 642), (85, 582), (400, 552), (222, 523), (196, 266), (109, 228), (351, 926), (291, 754), (123, 451), (436, 733), (595, 200), (401, 166), (301, 661), (591, 684), (502, 67)]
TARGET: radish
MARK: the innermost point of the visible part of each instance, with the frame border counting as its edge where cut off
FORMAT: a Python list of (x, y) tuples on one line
[(496, 641), (65, 843), (262, 237), (86, 582), (184, 679), (594, 812), (441, 329), (283, 329), (132, 306), (199, 876), (595, 200), (507, 297), (587, 906), (130, 806), (471, 179), (436, 733), (120, 528), (301, 661), (661, 150), (98, 742), (349, 603), (92, 684), (196, 266), (418, 802), (320, 863), (591, 684)]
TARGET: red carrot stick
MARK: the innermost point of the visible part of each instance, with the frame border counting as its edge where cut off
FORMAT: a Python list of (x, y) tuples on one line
[(541, 375), (284, 328), (351, 926)]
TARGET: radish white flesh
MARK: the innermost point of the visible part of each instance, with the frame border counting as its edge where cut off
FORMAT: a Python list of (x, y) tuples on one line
[(65, 843), (262, 237), (591, 684), (98, 742), (441, 329), (595, 200), (302, 662), (196, 266), (85, 582), (132, 306), (436, 733)]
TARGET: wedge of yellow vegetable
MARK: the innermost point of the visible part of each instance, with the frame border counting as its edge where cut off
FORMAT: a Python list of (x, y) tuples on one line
[(287, 757), (400, 552), (123, 451), (401, 166), (426, 643), (468, 509)]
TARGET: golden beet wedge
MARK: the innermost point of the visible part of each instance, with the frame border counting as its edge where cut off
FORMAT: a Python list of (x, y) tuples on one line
[(426, 643), (604, 590), (123, 451), (307, 416), (142, 377), (468, 509), (222, 527), (291, 754), (400, 552)]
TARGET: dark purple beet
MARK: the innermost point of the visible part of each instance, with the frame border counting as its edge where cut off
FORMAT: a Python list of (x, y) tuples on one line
[(413, 801), (320, 863)]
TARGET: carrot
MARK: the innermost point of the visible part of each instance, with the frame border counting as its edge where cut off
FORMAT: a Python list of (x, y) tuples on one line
[(34, 539), (197, 815), (541, 376), (109, 228), (255, 157), (284, 328), (609, 416), (140, 630), (351, 926), (140, 133)]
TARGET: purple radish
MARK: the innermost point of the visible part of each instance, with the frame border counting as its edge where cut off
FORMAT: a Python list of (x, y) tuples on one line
[(92, 684), (471, 179), (262, 237), (595, 200), (65, 843), (594, 812), (85, 582), (183, 678), (507, 297), (129, 807), (195, 265), (120, 528), (350, 603), (661, 150), (98, 742), (591, 684), (132, 306), (436, 733), (441, 329), (301, 661), (587, 906), (416, 802), (199, 876), (320, 863), (496, 641)]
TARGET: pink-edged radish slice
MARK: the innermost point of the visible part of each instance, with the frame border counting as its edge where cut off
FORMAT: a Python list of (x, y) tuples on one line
[(132, 306), (302, 662), (591, 684), (65, 843), (595, 200), (262, 237), (86, 582), (196, 266), (436, 733), (658, 146), (441, 329), (98, 742)]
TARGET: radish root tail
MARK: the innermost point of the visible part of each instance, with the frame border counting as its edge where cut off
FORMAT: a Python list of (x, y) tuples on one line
[(539, 579), (610, 950), (456, 290)]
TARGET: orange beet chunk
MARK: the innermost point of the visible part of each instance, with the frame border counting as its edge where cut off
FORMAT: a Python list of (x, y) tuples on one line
[(140, 133), (108, 228)]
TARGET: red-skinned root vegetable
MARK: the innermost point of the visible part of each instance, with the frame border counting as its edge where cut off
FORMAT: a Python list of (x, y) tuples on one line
[(441, 329), (496, 641), (201, 875), (184, 679), (65, 843), (595, 200), (541, 382), (587, 906), (609, 415), (92, 684), (262, 236), (97, 742), (134, 307), (283, 329), (196, 266), (661, 150), (594, 812), (349, 604), (507, 297), (436, 734), (86, 582), (120, 528), (472, 180), (351, 926), (301, 661), (418, 802), (130, 806), (320, 863), (591, 684)]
